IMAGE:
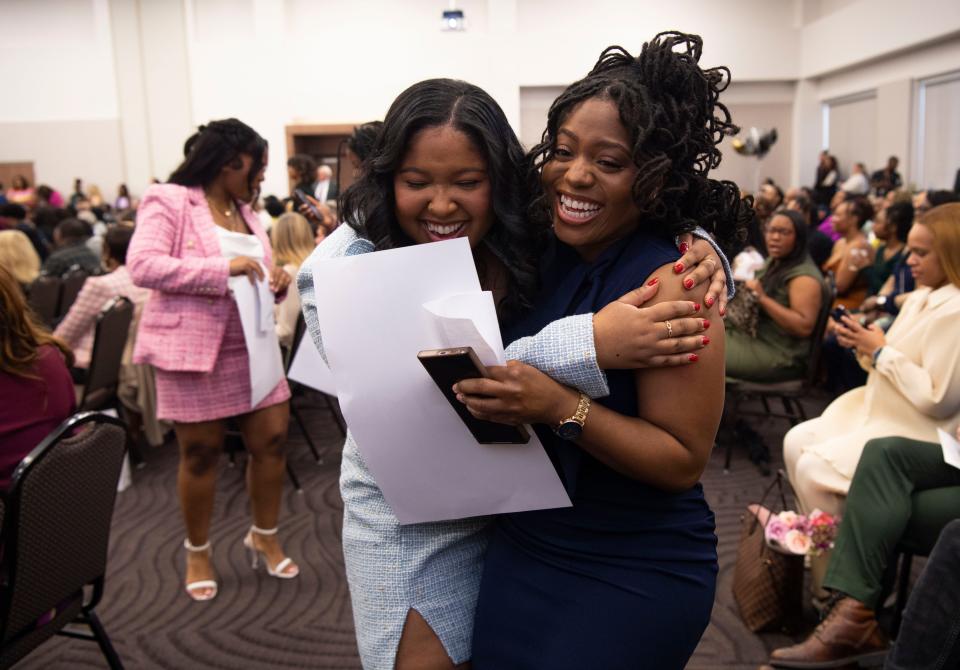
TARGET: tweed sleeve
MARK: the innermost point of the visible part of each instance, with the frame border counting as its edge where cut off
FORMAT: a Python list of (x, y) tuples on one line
[(565, 351), (82, 317), (150, 260), (704, 235)]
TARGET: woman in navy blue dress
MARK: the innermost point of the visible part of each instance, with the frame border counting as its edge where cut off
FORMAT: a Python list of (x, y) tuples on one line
[(624, 578)]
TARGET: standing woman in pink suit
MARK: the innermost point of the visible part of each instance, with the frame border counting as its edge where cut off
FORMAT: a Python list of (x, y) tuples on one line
[(193, 234)]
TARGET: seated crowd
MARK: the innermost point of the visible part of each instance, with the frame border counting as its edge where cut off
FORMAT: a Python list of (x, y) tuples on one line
[(872, 458), (883, 262)]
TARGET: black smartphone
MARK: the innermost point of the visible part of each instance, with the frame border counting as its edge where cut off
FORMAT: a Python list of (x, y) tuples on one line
[(447, 367), (839, 312), (302, 197)]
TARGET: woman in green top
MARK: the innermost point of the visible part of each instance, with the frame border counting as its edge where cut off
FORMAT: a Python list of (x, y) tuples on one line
[(788, 288)]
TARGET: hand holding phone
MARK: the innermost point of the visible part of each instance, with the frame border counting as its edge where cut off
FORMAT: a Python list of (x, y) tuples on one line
[(838, 313), (302, 197), (447, 367)]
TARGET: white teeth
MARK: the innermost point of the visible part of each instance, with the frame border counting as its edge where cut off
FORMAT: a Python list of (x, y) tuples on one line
[(437, 229), (578, 208)]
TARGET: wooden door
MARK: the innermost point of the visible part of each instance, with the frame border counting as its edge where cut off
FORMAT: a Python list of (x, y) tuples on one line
[(326, 143)]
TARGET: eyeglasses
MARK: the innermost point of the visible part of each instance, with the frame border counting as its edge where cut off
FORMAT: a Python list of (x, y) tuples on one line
[(780, 232)]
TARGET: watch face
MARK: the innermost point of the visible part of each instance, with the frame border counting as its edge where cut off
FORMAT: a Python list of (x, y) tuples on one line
[(569, 430)]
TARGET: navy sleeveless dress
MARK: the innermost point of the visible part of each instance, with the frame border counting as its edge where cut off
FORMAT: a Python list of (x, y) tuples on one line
[(626, 577)]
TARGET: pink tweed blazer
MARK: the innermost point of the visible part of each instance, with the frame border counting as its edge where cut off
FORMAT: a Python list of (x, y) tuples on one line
[(78, 326), (175, 252)]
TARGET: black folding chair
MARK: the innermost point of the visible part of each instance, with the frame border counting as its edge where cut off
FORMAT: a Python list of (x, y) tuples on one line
[(56, 530), (44, 298), (73, 280), (788, 392), (298, 390), (109, 340)]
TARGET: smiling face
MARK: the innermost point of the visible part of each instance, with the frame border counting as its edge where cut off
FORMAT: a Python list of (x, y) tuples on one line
[(780, 236), (923, 260), (442, 189), (589, 179)]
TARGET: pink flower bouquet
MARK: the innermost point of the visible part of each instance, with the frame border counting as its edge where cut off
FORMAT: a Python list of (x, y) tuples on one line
[(792, 533)]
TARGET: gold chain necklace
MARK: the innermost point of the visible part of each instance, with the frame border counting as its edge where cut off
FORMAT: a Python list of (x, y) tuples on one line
[(229, 211)]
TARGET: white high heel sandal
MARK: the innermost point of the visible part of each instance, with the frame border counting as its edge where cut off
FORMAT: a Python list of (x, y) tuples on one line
[(278, 571), (193, 587)]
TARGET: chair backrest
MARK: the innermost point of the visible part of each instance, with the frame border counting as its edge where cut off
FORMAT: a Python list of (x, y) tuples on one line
[(57, 519), (109, 340), (72, 283), (827, 296), (298, 333), (44, 298)]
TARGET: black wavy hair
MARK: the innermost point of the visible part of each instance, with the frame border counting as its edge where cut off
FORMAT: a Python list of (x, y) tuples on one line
[(670, 107), (860, 208), (305, 166), (215, 145), (364, 139), (943, 197), (117, 240), (900, 218), (369, 203), (778, 266)]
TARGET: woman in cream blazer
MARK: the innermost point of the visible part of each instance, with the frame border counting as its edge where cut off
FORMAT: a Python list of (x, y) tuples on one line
[(914, 382)]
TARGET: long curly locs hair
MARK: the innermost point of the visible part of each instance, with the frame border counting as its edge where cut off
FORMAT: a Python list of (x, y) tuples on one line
[(20, 333), (671, 108), (369, 203)]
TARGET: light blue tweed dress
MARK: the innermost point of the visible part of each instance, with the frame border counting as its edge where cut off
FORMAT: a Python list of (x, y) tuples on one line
[(434, 568)]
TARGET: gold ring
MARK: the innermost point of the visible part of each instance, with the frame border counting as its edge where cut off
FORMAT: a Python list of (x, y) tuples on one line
[(669, 328)]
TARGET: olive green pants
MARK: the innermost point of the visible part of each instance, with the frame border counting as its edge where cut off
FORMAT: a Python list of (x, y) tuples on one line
[(754, 360), (901, 494)]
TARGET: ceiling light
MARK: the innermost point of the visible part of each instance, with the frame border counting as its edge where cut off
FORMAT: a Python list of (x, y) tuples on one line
[(453, 20)]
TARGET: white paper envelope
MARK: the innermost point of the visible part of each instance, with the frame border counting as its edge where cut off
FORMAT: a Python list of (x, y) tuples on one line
[(263, 348), (425, 460), (951, 448), (309, 368)]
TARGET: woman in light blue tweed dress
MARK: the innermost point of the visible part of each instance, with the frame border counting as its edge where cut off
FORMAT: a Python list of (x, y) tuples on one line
[(407, 580)]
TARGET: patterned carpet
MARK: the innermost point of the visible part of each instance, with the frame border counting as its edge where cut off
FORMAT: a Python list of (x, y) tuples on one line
[(259, 622)]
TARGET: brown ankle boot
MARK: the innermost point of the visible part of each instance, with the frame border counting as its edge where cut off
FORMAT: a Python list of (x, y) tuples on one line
[(849, 634)]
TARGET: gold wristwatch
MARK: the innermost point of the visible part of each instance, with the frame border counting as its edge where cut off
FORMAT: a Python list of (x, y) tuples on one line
[(571, 428)]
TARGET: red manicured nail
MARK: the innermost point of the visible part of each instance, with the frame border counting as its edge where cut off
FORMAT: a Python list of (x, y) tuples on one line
[(723, 311), (709, 301), (653, 281), (706, 340), (693, 357), (696, 307), (684, 247), (688, 283), (678, 268), (706, 324)]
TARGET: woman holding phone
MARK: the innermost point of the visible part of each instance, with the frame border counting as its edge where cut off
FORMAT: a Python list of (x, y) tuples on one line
[(446, 164)]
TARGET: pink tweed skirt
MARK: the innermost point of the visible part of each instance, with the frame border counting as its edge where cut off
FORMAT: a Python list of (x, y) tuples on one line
[(188, 397)]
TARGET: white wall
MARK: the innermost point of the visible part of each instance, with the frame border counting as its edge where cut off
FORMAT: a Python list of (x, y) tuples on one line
[(59, 107), (863, 31), (158, 68)]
